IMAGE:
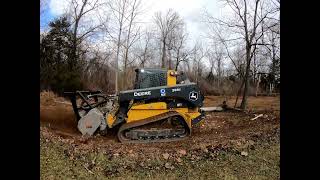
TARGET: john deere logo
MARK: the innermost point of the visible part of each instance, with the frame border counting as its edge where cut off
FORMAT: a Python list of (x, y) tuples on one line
[(193, 96), (145, 93)]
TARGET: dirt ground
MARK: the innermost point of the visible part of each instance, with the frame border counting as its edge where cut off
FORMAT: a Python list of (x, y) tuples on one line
[(232, 134), (260, 103)]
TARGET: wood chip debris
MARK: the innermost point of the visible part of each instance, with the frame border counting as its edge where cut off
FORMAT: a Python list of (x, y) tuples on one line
[(260, 115)]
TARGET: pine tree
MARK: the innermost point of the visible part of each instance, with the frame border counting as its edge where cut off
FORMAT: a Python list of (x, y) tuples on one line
[(58, 70)]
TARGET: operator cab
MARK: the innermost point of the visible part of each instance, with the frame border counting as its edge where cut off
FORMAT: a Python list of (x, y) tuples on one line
[(149, 77)]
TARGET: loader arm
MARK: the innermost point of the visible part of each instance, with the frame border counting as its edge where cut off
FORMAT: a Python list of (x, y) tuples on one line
[(86, 105)]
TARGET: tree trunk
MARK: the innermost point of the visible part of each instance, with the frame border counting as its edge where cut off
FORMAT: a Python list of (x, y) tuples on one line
[(124, 79), (245, 93), (74, 46), (163, 65), (198, 69), (246, 81), (177, 64), (238, 93), (219, 74), (169, 60), (254, 68), (117, 61), (144, 54), (258, 82)]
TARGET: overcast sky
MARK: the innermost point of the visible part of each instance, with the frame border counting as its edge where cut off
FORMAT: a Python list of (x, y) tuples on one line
[(189, 10)]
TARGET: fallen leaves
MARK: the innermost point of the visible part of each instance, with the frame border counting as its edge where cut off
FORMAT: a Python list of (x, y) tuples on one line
[(179, 160), (244, 153), (165, 156), (116, 155), (169, 166), (230, 129), (182, 152)]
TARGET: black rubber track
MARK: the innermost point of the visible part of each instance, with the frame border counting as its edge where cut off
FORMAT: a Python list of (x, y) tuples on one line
[(160, 117)]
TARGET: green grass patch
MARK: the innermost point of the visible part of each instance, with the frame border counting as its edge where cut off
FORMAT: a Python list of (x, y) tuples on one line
[(58, 161)]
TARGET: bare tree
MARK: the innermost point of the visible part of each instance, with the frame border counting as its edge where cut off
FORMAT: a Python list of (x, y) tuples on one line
[(166, 23), (118, 11), (182, 55), (177, 46), (198, 53), (78, 11), (98, 68), (143, 53), (249, 15), (133, 34), (124, 30), (215, 56), (272, 46), (175, 43)]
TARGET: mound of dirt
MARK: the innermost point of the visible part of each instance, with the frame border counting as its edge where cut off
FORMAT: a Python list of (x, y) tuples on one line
[(48, 98), (57, 113)]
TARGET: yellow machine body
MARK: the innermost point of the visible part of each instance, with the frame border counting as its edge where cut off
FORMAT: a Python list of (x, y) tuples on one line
[(110, 120), (162, 107), (142, 111), (171, 79)]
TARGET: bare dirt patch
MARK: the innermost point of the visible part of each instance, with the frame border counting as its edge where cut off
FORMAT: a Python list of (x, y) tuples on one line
[(254, 103), (220, 128), (222, 138), (56, 113)]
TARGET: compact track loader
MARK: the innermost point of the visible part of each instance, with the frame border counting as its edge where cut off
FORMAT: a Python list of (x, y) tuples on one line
[(162, 107)]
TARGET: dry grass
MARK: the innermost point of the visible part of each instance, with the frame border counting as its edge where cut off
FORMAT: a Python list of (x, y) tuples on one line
[(50, 98)]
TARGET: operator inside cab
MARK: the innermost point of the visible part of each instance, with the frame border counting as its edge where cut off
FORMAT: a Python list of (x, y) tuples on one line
[(182, 78)]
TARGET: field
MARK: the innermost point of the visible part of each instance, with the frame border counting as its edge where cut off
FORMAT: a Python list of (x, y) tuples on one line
[(226, 145)]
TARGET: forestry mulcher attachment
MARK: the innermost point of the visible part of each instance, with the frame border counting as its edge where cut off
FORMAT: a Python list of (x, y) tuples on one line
[(162, 107)]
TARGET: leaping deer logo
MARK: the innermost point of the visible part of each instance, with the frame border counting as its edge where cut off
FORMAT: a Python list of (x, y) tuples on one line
[(193, 96)]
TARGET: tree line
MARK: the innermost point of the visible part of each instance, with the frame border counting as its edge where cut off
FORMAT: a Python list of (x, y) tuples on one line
[(97, 44)]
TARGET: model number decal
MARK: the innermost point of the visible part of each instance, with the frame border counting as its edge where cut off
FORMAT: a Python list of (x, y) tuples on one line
[(145, 93), (176, 89)]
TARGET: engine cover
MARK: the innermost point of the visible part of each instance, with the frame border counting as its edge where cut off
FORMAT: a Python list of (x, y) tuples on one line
[(189, 93)]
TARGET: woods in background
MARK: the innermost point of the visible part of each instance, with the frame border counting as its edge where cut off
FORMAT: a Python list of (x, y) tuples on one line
[(97, 43)]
